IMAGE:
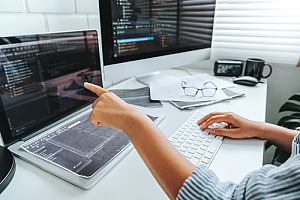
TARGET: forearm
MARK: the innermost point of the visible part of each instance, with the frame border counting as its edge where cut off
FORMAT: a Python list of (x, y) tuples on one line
[(280, 136), (167, 165)]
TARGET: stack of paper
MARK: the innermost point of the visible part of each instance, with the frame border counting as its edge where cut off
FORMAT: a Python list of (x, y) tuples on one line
[(139, 97), (170, 89)]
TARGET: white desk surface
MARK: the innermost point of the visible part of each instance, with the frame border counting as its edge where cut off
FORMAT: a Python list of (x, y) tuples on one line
[(130, 179)]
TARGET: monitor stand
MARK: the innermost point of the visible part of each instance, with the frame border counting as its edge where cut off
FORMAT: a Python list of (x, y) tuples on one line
[(149, 77), (7, 168), (152, 76)]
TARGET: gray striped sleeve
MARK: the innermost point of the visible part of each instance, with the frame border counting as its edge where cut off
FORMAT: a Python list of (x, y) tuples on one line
[(269, 182), (204, 184), (296, 145)]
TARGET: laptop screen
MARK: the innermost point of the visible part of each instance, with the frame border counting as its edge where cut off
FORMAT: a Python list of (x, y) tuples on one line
[(41, 79)]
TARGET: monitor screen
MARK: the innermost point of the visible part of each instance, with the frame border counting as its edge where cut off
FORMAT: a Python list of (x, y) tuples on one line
[(137, 29), (41, 79)]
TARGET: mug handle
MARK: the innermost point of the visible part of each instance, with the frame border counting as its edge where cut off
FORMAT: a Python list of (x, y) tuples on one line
[(270, 67)]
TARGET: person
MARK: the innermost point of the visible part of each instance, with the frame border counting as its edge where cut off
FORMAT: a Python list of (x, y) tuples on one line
[(178, 177)]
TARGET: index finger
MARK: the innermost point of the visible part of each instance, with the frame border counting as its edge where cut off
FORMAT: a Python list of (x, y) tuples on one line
[(94, 88)]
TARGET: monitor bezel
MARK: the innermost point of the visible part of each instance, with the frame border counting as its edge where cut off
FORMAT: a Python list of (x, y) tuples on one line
[(5, 131), (107, 41)]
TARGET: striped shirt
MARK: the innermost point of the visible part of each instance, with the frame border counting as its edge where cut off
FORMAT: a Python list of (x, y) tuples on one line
[(269, 182)]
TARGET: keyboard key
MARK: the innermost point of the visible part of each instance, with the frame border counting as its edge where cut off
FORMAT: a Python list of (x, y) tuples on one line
[(211, 136), (205, 160), (206, 165), (194, 137), (195, 161), (184, 137), (189, 145), (186, 134), (188, 155), (208, 155), (198, 143), (205, 144), (219, 138), (201, 136), (173, 140), (180, 140), (192, 151), (200, 151), (205, 133), (195, 126), (186, 145), (178, 143), (183, 149), (199, 156), (198, 131), (175, 136), (195, 134), (203, 147), (190, 141)]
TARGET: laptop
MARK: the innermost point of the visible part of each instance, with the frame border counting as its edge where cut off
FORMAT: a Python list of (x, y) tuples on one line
[(44, 108)]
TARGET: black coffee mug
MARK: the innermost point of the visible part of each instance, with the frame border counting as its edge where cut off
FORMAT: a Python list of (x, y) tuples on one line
[(255, 68)]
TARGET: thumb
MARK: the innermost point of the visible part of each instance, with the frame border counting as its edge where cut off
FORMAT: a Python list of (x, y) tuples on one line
[(94, 88)]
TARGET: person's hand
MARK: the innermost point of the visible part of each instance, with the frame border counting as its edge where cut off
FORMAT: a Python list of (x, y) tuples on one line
[(109, 109), (237, 126)]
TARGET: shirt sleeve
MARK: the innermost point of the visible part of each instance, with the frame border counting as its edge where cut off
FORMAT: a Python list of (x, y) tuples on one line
[(269, 182), (204, 184), (296, 145)]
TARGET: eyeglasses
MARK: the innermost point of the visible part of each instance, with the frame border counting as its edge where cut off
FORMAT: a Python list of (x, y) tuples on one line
[(209, 89)]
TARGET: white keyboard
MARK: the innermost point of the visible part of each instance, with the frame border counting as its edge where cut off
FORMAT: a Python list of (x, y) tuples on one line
[(198, 146)]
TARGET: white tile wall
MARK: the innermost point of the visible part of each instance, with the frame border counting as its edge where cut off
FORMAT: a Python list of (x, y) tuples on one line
[(21, 24), (51, 6), (19, 17), (84, 6), (93, 22), (66, 23), (12, 6)]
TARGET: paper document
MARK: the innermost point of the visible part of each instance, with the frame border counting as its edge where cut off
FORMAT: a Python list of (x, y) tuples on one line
[(230, 93), (170, 88), (138, 97)]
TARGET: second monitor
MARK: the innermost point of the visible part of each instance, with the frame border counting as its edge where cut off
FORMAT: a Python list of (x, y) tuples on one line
[(156, 32)]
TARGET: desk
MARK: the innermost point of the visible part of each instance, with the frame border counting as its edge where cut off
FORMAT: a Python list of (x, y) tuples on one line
[(130, 179)]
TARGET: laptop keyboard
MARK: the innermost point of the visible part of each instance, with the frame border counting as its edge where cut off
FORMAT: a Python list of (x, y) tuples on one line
[(81, 147), (198, 146)]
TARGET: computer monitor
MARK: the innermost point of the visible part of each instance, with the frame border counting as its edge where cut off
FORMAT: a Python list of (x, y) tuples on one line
[(140, 36), (41, 79)]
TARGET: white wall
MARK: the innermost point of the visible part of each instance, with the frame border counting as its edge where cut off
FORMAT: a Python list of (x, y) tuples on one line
[(39, 16)]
